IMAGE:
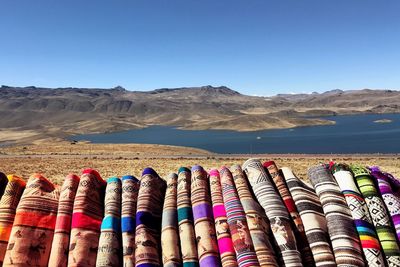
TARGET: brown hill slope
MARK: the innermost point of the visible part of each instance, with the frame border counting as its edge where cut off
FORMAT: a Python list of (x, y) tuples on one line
[(32, 113)]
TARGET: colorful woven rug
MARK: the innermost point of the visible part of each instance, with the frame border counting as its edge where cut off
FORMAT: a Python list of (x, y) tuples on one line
[(256, 219), (35, 220), (283, 191), (342, 232), (60, 245), (130, 190), (109, 252), (312, 215), (207, 247), (242, 242), (148, 219), (275, 210), (185, 220), (225, 245), (170, 245), (359, 210), (379, 215), (389, 188), (8, 206), (87, 215)]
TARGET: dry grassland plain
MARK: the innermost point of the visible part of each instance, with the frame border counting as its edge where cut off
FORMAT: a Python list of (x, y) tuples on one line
[(57, 160)]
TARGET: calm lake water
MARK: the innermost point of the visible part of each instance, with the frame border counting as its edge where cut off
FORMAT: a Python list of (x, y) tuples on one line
[(350, 134)]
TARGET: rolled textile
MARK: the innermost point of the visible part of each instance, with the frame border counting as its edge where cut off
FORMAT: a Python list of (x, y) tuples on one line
[(242, 242), (3, 183), (359, 210), (33, 229), (185, 220), (225, 245), (389, 187), (109, 252), (148, 219), (379, 215), (302, 242), (87, 215), (204, 228), (342, 232), (8, 206), (171, 254), (275, 210), (130, 190), (256, 219), (60, 245), (312, 215)]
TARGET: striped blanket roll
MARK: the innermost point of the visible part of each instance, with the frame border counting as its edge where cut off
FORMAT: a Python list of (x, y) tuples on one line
[(379, 215), (283, 191), (185, 219), (310, 211), (60, 245), (130, 190), (87, 215), (35, 220), (225, 245), (242, 242), (171, 254), (148, 219), (359, 210), (109, 252), (3, 183), (275, 210), (256, 219), (8, 206), (207, 247), (389, 187), (342, 232)]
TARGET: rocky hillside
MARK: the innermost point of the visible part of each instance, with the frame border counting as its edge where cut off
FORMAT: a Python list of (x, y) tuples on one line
[(58, 112)]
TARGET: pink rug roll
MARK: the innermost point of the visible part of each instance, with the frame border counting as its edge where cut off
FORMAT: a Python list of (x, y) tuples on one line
[(225, 245), (59, 248), (8, 205), (35, 220), (86, 220), (242, 242)]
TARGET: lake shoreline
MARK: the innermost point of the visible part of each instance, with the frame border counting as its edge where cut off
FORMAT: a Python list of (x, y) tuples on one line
[(349, 134)]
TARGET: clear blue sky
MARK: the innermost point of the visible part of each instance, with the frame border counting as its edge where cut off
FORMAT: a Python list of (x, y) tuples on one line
[(257, 47)]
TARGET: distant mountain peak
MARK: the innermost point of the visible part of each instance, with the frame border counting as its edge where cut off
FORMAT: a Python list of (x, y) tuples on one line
[(334, 91), (119, 88), (208, 89), (220, 89)]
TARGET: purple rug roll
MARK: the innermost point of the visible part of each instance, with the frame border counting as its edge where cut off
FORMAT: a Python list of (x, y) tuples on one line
[(148, 219), (207, 247)]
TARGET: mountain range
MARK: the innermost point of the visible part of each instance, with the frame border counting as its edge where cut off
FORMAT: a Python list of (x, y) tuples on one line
[(34, 113)]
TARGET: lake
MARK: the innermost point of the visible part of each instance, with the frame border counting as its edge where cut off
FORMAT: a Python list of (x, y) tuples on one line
[(350, 134)]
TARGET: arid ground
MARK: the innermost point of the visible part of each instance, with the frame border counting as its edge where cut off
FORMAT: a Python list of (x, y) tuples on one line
[(55, 161)]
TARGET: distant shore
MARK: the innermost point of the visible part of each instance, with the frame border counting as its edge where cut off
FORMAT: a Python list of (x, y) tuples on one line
[(15, 136)]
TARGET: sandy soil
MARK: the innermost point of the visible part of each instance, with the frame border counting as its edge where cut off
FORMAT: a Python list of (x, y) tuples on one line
[(55, 161)]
